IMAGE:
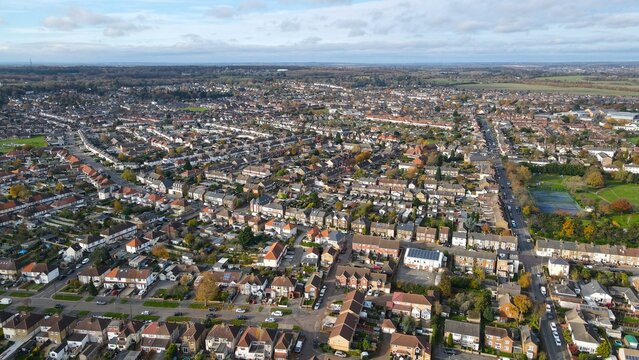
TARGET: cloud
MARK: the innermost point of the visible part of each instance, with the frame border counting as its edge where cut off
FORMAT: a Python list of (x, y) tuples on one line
[(252, 5), (290, 26), (78, 18), (1, 20), (222, 11)]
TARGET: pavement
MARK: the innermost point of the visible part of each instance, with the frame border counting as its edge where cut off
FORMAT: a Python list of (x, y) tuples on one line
[(527, 257)]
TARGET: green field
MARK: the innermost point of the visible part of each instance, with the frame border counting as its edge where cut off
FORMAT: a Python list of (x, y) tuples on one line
[(548, 182), (578, 90), (629, 192), (7, 145), (194, 109)]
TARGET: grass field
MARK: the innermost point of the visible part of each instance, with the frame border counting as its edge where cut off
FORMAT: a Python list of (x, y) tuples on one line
[(162, 303), (7, 145), (194, 109), (67, 297), (578, 90), (22, 294), (629, 192), (548, 182)]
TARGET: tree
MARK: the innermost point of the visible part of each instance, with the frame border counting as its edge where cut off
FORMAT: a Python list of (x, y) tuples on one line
[(408, 324), (208, 289), (621, 206), (523, 303), (100, 256), (525, 280), (170, 352), (160, 251), (128, 175), (59, 187), (575, 184), (594, 179), (567, 229), (449, 340), (192, 223), (487, 314), (19, 191), (603, 349), (339, 206), (117, 206), (446, 286), (91, 289), (588, 231), (511, 311)]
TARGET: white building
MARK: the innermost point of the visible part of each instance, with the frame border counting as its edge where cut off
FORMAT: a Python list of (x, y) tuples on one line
[(423, 259), (558, 267)]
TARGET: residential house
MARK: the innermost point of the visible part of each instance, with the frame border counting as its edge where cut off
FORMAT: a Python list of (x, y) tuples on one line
[(329, 256), (594, 293), (283, 347), (57, 327), (426, 234), (312, 286), (465, 334), (626, 294), (466, 260), (529, 342), (95, 328), (8, 269), (318, 217), (121, 334), (414, 305), (22, 326), (274, 254), (73, 253), (409, 347), (444, 235), (90, 242), (406, 232), (558, 267), (159, 335), (361, 279), (222, 339), (311, 257), (383, 230), (123, 230), (137, 245), (253, 285), (192, 338), (40, 273), (459, 239), (375, 244), (498, 338), (129, 277), (256, 343), (282, 286), (584, 337), (93, 274)]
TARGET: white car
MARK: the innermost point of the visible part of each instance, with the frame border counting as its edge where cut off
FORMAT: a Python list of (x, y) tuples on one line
[(341, 354), (276, 313), (270, 320), (553, 326), (85, 260), (240, 310), (557, 342)]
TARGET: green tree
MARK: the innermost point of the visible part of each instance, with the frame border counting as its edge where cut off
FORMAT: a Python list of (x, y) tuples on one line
[(594, 179), (91, 289), (100, 256), (408, 324), (525, 280), (449, 341), (603, 349), (170, 352), (446, 286), (128, 175)]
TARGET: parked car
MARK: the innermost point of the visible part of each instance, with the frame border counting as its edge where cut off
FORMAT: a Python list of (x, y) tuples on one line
[(59, 306), (101, 302), (341, 354), (270, 320), (276, 313), (240, 310), (242, 317)]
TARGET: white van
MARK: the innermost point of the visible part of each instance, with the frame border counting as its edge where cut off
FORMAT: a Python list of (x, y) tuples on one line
[(6, 301)]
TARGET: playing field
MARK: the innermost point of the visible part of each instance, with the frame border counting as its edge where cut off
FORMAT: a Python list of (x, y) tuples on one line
[(629, 192), (7, 145), (578, 90), (552, 201)]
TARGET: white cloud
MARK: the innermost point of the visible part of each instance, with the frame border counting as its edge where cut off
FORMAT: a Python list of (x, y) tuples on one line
[(78, 18)]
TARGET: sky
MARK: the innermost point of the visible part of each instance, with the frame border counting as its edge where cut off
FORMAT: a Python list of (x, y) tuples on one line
[(326, 31)]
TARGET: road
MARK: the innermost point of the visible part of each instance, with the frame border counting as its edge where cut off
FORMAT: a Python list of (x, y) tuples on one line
[(527, 257)]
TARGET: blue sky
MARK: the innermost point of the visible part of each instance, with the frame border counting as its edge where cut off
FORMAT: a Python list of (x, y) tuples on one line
[(338, 31)]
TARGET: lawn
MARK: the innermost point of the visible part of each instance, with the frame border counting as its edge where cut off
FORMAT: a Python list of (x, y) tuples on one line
[(67, 297), (194, 109), (629, 192), (198, 306), (161, 303), (22, 294), (116, 315), (52, 311), (178, 319), (577, 89), (146, 317), (83, 313), (7, 145), (549, 182)]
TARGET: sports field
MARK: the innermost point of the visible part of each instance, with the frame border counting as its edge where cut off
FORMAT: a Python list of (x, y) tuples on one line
[(552, 201), (578, 90), (611, 193), (7, 145)]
